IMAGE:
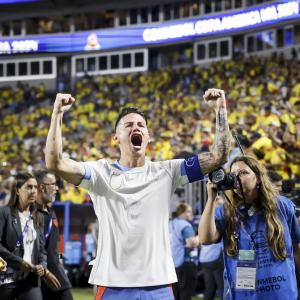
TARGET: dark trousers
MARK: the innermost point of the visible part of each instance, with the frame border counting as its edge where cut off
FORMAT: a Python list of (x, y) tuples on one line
[(213, 278), (48, 294), (20, 292), (184, 289)]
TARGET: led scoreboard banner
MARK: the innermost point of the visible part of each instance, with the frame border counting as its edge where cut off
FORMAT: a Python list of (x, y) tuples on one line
[(165, 32), (17, 1)]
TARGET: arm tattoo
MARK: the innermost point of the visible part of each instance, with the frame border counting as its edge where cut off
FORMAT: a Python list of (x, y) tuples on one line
[(221, 120), (207, 162), (220, 149)]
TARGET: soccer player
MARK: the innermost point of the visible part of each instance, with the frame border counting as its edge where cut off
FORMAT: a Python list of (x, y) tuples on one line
[(131, 200)]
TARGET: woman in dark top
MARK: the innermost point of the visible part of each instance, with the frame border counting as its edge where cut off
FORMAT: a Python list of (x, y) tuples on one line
[(22, 242)]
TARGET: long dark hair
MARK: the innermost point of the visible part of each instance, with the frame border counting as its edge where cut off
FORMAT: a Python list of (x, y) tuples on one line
[(267, 204), (20, 180)]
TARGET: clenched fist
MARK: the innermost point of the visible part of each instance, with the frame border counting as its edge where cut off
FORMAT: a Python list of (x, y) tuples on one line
[(215, 98), (63, 102)]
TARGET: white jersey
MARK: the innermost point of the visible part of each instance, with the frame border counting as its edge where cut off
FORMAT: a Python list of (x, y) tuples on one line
[(133, 210)]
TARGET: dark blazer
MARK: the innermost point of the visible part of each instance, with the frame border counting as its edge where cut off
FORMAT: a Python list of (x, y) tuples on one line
[(51, 245), (10, 232)]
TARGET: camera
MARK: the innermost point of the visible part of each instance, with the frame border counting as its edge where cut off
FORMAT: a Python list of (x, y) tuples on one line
[(222, 180)]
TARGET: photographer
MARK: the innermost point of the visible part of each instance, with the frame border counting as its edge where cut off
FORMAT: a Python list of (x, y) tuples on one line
[(259, 231)]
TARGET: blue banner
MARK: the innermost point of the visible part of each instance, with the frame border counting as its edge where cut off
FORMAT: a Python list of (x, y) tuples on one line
[(165, 32), (17, 1)]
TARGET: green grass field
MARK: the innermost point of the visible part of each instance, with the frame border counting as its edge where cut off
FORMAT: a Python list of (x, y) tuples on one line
[(87, 294), (83, 294)]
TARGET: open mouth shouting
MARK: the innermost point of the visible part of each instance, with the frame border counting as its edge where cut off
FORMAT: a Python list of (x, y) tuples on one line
[(136, 141)]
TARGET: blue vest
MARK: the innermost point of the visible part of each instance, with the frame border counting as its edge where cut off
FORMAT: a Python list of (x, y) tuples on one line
[(180, 230), (275, 279)]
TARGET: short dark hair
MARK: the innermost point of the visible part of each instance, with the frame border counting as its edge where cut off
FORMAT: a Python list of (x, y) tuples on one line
[(41, 175), (130, 110)]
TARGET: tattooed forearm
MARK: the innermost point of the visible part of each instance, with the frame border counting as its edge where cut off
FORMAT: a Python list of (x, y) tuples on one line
[(221, 120), (221, 146), (207, 162)]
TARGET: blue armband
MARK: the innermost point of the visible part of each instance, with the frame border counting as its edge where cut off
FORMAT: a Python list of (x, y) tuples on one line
[(192, 168)]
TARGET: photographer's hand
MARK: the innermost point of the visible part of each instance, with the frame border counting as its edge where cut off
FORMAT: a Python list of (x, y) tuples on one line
[(211, 191)]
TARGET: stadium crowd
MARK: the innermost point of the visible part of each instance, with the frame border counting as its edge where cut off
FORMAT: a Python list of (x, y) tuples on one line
[(263, 97)]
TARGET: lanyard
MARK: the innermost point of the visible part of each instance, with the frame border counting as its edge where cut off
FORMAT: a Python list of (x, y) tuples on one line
[(49, 228), (25, 229), (240, 225), (251, 239)]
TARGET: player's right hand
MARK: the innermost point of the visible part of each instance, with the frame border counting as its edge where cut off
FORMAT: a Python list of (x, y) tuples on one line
[(63, 102)]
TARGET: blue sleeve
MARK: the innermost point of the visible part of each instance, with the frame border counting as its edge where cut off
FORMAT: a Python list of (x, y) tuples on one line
[(291, 218), (294, 225), (191, 168), (188, 232), (295, 230)]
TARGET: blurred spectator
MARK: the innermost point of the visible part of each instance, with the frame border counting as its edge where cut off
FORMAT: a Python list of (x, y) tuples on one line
[(185, 258), (90, 243), (47, 189), (211, 262), (73, 193), (276, 179)]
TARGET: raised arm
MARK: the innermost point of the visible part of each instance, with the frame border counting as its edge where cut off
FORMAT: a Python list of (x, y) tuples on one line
[(68, 169), (207, 230), (209, 161)]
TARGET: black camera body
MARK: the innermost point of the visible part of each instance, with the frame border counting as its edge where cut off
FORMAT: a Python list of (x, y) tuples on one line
[(222, 180)]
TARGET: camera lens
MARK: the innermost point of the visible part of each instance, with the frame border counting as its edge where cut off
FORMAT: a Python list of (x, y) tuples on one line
[(217, 175)]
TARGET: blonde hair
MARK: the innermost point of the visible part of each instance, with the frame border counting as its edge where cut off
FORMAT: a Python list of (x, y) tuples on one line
[(266, 203)]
